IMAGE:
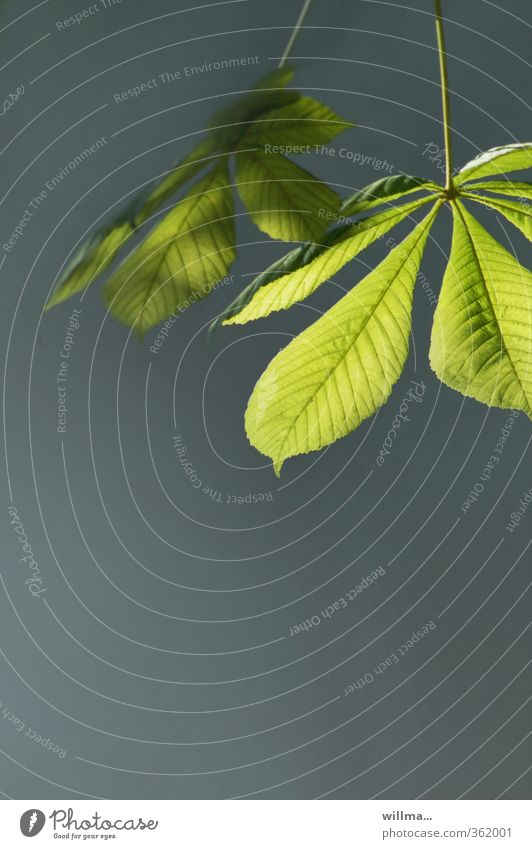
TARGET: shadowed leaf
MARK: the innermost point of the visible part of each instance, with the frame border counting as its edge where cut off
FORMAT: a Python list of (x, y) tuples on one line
[(307, 122), (284, 200), (180, 260)]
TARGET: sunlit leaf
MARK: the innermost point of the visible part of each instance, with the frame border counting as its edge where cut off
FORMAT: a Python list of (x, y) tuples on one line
[(389, 188), (497, 160), (286, 201), (518, 214), (502, 187), (102, 247), (340, 370), (287, 290), (294, 259), (482, 335)]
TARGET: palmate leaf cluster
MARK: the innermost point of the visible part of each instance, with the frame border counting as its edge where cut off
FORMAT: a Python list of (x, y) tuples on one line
[(341, 369), (193, 246)]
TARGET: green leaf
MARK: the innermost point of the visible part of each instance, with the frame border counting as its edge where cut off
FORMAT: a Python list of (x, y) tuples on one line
[(340, 370), (294, 259), (101, 248), (301, 196), (91, 259), (482, 334), (304, 254), (305, 123), (287, 290), (384, 190), (290, 262), (181, 259), (518, 214), (284, 200), (502, 187), (497, 160), (260, 99)]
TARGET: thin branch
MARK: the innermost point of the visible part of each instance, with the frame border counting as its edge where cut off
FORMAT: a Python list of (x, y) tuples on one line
[(295, 32), (444, 96)]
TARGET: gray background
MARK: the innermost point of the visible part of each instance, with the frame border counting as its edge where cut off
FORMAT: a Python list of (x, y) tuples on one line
[(159, 656)]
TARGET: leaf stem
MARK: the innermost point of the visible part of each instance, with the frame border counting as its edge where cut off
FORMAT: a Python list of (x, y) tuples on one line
[(295, 33), (449, 186)]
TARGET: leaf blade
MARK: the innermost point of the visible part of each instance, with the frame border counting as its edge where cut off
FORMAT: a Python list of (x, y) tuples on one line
[(383, 191), (293, 260), (304, 123), (181, 259), (97, 252), (90, 260), (481, 342), (501, 187), (496, 160), (287, 290), (341, 369), (283, 199), (517, 214)]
